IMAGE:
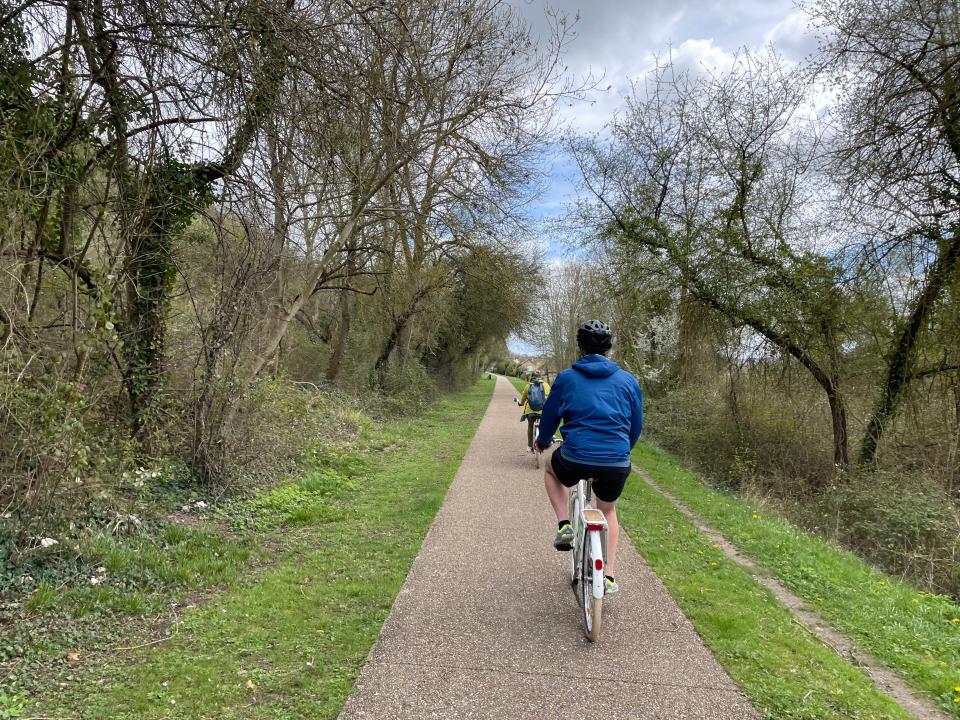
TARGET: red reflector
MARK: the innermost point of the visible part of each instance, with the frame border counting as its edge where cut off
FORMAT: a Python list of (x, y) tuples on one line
[(598, 564), (591, 526)]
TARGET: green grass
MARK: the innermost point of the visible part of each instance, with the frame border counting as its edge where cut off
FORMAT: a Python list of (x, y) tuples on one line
[(290, 642), (12, 706), (179, 556), (785, 672), (102, 590), (518, 383), (139, 574), (305, 501), (915, 633)]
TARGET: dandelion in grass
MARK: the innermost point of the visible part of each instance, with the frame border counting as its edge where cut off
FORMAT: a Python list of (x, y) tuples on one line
[(756, 516)]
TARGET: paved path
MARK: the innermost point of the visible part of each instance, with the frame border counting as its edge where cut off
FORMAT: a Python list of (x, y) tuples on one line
[(486, 625)]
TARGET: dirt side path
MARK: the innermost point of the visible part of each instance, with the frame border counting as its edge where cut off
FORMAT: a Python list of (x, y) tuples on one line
[(486, 625)]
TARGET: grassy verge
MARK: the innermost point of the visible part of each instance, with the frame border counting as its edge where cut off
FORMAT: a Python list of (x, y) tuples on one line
[(101, 589), (915, 633), (289, 642), (124, 546), (518, 383), (785, 672)]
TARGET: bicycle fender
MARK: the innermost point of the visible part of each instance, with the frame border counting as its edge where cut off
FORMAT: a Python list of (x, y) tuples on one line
[(596, 552)]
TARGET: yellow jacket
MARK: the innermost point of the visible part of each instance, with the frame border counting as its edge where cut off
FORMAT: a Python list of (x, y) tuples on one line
[(523, 398)]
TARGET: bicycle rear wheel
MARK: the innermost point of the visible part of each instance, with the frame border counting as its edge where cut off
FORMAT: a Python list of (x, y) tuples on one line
[(576, 551), (592, 606)]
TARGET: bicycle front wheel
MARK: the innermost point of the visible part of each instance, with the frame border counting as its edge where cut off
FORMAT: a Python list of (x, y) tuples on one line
[(536, 434), (591, 604)]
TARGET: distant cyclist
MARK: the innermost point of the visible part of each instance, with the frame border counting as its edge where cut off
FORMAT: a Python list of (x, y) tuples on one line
[(532, 399), (601, 406)]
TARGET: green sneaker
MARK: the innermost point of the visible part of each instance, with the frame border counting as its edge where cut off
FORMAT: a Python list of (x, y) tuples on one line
[(564, 538), (610, 587)]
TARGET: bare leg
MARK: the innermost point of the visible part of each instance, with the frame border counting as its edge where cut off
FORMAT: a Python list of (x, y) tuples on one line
[(609, 511), (557, 493)]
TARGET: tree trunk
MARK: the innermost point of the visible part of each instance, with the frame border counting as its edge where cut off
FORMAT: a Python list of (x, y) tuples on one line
[(400, 328), (955, 460), (392, 339), (333, 369), (734, 397), (151, 274), (838, 419), (403, 344), (685, 338)]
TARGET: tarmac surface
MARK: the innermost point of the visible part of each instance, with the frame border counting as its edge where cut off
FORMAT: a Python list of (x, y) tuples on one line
[(486, 624)]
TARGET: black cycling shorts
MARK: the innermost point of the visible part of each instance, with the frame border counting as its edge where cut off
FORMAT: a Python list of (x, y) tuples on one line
[(608, 481)]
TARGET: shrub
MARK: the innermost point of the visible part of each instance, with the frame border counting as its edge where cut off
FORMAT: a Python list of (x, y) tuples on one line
[(407, 390), (49, 438), (777, 448), (904, 523), (280, 422), (769, 445)]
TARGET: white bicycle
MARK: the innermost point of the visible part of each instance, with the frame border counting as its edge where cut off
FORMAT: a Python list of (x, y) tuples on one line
[(536, 434), (587, 556)]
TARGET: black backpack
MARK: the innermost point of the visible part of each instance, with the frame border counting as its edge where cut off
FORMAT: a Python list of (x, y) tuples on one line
[(536, 396)]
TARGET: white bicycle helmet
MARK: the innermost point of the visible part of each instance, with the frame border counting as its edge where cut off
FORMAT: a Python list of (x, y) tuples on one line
[(596, 327)]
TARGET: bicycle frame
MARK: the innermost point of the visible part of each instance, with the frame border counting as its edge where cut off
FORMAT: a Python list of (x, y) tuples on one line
[(589, 526)]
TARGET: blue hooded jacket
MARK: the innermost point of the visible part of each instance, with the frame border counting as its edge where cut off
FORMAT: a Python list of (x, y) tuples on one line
[(601, 406)]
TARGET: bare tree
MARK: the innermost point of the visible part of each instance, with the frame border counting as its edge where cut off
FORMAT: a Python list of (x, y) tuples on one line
[(708, 175), (457, 81), (558, 310), (898, 68)]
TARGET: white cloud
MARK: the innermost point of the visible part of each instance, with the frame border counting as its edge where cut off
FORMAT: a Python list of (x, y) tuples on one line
[(619, 42), (694, 56), (792, 37)]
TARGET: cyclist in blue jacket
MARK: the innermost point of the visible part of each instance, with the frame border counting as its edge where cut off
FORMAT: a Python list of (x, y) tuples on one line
[(601, 406)]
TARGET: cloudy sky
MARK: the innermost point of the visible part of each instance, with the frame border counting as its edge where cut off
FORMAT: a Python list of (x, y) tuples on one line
[(618, 40)]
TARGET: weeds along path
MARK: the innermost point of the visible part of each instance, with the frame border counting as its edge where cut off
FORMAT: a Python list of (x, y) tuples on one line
[(906, 640), (889, 682), (486, 625), (288, 641)]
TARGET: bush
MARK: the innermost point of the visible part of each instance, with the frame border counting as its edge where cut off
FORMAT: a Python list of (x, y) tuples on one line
[(407, 390), (906, 524), (280, 422), (768, 446), (777, 449), (50, 437)]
